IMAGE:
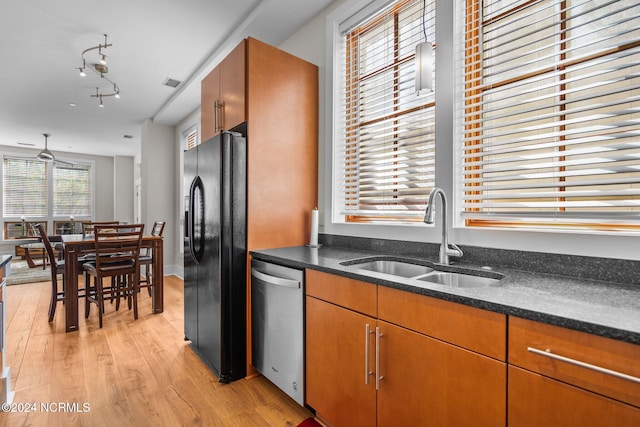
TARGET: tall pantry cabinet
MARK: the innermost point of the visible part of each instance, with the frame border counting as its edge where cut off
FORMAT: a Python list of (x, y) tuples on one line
[(276, 95)]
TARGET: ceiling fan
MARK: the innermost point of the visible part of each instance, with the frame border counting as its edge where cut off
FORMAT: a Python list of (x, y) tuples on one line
[(47, 156)]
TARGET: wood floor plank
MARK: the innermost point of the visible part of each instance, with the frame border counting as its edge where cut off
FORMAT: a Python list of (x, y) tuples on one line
[(129, 373)]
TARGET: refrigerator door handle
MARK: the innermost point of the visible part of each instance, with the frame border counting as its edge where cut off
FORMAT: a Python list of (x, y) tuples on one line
[(273, 280), (196, 203)]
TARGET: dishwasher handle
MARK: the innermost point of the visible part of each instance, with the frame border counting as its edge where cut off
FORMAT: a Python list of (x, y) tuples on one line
[(273, 280)]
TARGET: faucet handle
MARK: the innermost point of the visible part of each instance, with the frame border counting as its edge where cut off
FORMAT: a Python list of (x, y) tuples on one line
[(454, 250)]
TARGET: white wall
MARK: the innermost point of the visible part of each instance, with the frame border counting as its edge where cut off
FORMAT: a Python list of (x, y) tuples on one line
[(123, 197), (158, 189), (312, 42)]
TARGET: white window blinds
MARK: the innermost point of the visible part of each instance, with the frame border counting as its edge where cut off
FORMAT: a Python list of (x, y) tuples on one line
[(191, 139), (386, 154), (552, 113), (71, 189), (25, 188)]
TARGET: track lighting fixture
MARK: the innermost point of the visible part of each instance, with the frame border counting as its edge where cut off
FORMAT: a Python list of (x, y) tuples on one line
[(100, 68)]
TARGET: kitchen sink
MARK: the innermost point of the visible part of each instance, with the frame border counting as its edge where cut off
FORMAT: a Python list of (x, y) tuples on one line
[(425, 271), (458, 280), (395, 268)]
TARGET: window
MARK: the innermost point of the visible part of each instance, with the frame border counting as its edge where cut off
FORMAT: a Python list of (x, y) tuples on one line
[(71, 189), (551, 114), (43, 191), (385, 151), (25, 188), (191, 138)]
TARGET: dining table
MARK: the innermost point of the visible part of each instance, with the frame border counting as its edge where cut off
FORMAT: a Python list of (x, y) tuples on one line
[(76, 245)]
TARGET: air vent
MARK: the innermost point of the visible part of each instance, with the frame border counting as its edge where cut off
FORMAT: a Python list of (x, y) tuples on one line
[(26, 144), (171, 82)]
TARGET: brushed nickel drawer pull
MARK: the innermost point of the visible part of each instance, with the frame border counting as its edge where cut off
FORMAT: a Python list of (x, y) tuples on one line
[(367, 372), (596, 368), (379, 335)]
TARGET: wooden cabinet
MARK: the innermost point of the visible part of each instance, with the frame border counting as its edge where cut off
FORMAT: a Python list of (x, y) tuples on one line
[(562, 377), (276, 94), (442, 363), (223, 95), (428, 382), (365, 368), (536, 400), (339, 351), (335, 359)]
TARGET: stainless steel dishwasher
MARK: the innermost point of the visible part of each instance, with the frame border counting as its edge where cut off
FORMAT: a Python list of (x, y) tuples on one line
[(277, 326)]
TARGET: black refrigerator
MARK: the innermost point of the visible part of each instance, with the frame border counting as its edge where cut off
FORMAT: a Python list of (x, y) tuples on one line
[(215, 257)]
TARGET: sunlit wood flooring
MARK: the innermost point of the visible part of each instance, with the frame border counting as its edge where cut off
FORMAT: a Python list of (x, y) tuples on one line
[(129, 373)]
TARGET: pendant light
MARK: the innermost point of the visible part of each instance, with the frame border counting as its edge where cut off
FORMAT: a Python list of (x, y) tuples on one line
[(46, 155), (424, 61)]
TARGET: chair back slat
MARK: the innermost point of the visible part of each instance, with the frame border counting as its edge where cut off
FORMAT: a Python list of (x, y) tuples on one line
[(158, 228), (89, 227), (117, 246)]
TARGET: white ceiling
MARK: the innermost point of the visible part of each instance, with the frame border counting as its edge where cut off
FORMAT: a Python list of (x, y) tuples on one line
[(41, 42)]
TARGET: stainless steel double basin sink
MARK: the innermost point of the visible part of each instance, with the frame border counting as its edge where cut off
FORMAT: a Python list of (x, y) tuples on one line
[(425, 271)]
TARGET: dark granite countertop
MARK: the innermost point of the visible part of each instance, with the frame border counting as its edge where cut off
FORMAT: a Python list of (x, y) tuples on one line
[(608, 309)]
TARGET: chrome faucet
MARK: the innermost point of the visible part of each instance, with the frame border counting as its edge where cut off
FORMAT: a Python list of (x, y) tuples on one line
[(446, 249)]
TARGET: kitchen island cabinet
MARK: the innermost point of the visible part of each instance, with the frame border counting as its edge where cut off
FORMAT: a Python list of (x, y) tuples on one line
[(364, 370)]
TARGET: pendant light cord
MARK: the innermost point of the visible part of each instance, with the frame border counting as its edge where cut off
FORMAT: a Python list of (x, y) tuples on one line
[(424, 26)]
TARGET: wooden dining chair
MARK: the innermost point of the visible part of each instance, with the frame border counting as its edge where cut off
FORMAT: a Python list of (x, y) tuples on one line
[(146, 258), (57, 267), (117, 253)]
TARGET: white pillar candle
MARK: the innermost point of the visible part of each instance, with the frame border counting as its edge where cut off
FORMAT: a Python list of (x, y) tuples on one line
[(313, 241)]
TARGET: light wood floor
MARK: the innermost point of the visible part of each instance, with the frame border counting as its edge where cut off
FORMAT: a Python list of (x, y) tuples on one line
[(129, 373)]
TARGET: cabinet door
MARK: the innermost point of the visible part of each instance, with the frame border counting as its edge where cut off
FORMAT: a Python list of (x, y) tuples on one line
[(335, 365), (232, 88), (429, 382), (209, 95), (535, 400)]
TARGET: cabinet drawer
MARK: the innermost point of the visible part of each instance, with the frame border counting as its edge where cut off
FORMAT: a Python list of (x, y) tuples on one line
[(353, 294), (472, 328), (528, 339), (535, 400)]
